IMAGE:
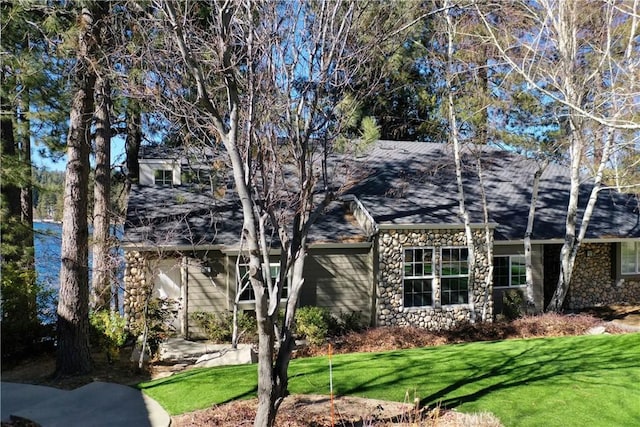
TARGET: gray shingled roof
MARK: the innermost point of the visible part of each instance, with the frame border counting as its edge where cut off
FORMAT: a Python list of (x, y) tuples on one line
[(399, 183), (415, 183), (187, 217)]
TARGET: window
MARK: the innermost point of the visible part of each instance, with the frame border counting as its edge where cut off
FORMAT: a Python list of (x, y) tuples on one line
[(163, 177), (418, 277), (630, 257), (196, 176), (454, 282), (248, 294), (509, 271)]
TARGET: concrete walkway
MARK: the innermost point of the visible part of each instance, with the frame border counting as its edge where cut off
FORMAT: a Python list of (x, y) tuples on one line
[(94, 405)]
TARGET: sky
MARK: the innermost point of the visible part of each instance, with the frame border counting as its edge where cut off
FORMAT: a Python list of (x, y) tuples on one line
[(117, 156)]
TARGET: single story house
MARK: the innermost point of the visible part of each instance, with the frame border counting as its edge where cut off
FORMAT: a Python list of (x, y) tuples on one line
[(392, 248)]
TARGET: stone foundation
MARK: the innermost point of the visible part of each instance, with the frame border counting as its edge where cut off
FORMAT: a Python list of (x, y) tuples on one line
[(136, 286), (593, 283), (390, 310)]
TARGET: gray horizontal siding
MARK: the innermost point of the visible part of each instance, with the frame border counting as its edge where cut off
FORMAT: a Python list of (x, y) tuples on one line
[(341, 281), (207, 289)]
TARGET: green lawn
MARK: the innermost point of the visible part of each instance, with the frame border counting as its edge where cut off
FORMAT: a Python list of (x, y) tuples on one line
[(571, 381)]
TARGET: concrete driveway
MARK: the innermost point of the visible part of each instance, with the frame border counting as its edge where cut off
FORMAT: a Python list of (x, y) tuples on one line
[(94, 405)]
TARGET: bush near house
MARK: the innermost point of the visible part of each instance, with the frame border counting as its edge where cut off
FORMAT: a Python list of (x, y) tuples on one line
[(218, 327), (315, 324), (108, 332)]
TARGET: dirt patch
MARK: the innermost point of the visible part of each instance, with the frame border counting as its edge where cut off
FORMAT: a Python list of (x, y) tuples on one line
[(316, 411), (40, 369), (625, 315)]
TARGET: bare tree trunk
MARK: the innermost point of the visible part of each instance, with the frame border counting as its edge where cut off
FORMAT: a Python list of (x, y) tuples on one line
[(271, 106), (101, 283), (488, 241), (529, 297), (453, 135), (73, 355), (567, 45)]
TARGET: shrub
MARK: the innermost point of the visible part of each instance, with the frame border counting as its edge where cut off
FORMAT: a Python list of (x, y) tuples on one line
[(156, 322), (23, 308), (348, 322), (313, 324), (108, 332), (218, 327), (512, 304)]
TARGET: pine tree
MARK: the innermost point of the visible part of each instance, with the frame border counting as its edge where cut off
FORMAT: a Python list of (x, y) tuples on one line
[(73, 355)]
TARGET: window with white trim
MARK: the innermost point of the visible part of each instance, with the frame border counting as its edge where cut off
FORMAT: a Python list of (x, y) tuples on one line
[(248, 295), (509, 271), (630, 257), (454, 276), (418, 277), (163, 177)]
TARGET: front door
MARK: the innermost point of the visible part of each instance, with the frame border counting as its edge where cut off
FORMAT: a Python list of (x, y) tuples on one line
[(551, 263)]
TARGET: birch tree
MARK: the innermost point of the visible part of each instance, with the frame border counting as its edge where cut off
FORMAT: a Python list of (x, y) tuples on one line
[(583, 55), (455, 140)]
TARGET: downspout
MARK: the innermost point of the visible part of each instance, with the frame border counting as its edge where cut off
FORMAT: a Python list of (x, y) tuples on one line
[(368, 224), (184, 296), (375, 279)]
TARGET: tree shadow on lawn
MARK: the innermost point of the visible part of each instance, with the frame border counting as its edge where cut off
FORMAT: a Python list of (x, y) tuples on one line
[(495, 367), (545, 363)]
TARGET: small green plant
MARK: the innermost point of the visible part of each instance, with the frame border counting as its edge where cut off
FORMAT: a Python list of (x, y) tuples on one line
[(27, 322), (348, 321), (313, 323), (512, 304), (218, 327), (108, 332), (156, 323)]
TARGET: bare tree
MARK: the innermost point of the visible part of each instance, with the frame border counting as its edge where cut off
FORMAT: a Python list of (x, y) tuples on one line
[(581, 55), (267, 80), (455, 140)]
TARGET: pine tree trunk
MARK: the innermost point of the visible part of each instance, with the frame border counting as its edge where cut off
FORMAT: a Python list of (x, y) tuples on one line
[(73, 355), (10, 191), (132, 143), (101, 283), (26, 192), (17, 206)]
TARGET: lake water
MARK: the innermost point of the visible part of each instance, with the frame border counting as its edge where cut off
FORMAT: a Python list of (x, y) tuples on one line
[(47, 242), (47, 252)]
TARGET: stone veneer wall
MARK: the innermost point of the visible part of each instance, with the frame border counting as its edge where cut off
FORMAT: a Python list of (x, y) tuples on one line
[(136, 288), (390, 309), (593, 284)]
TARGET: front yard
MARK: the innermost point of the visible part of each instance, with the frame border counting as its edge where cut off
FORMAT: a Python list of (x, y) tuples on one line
[(560, 381)]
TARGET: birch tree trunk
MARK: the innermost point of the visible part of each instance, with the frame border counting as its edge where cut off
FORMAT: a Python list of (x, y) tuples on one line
[(453, 137), (529, 294)]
